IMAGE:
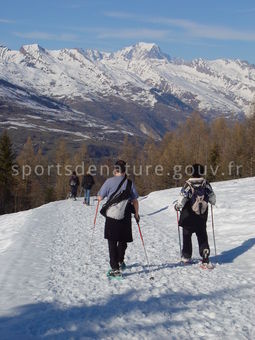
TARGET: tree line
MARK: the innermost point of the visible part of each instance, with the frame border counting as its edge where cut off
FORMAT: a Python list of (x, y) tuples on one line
[(226, 148), (30, 179)]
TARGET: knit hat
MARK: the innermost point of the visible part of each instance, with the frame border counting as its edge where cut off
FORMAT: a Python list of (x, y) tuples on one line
[(198, 170)]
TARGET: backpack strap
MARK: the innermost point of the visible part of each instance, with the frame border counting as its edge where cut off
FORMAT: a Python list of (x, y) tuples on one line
[(203, 184), (190, 184), (129, 185), (191, 187), (119, 186)]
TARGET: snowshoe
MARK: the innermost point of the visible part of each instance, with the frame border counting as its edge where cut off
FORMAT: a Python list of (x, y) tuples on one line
[(114, 274), (207, 265)]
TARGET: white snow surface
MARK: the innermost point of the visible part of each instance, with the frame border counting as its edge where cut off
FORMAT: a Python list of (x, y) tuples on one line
[(53, 288), (130, 74)]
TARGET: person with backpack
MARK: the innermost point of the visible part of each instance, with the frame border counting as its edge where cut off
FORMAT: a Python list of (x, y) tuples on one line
[(121, 202), (74, 182), (193, 204), (87, 184)]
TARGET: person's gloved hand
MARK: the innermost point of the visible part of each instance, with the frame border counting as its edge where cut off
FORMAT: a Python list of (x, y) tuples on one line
[(212, 199), (137, 218), (177, 207)]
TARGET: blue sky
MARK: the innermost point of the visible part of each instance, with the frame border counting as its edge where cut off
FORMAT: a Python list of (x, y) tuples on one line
[(185, 28)]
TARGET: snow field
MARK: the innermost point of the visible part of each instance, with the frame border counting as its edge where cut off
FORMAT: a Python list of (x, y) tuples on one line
[(53, 288)]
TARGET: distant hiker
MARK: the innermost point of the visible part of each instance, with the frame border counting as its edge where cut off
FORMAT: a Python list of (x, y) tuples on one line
[(121, 202), (193, 204), (74, 183), (87, 184)]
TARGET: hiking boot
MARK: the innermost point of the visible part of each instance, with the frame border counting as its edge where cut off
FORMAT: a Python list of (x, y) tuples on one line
[(122, 265), (185, 259), (205, 256)]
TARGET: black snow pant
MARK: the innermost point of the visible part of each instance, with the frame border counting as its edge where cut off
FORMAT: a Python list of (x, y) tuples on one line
[(74, 189), (117, 252), (202, 239)]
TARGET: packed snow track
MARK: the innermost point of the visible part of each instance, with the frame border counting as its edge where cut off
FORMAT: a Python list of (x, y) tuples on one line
[(53, 287)]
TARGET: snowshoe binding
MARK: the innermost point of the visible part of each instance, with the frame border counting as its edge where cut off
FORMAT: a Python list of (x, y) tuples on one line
[(114, 274), (206, 264), (186, 260)]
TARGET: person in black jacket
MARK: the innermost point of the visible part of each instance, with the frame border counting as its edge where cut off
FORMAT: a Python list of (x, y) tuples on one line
[(87, 184), (74, 183), (193, 204)]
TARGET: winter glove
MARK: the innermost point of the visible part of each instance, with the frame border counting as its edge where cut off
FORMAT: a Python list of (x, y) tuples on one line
[(137, 218), (212, 198)]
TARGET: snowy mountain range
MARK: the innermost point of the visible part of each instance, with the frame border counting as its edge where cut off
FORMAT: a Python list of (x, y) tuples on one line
[(137, 90), (54, 286)]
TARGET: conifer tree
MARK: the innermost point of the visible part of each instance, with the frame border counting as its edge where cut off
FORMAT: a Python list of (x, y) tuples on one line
[(42, 187), (64, 170), (7, 181), (26, 162)]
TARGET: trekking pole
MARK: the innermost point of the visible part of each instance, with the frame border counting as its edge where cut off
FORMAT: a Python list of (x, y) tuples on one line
[(95, 219), (213, 231), (179, 233), (141, 236), (93, 231)]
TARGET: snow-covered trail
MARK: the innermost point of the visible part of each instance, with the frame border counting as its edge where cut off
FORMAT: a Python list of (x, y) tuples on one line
[(51, 287)]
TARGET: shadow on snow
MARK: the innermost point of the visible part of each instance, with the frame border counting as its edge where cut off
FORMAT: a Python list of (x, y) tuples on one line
[(230, 255), (225, 257), (50, 321), (156, 212)]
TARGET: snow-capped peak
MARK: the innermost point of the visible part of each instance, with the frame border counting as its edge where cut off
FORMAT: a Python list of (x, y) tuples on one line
[(142, 50), (146, 46), (33, 49), (93, 55), (3, 51), (132, 74)]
